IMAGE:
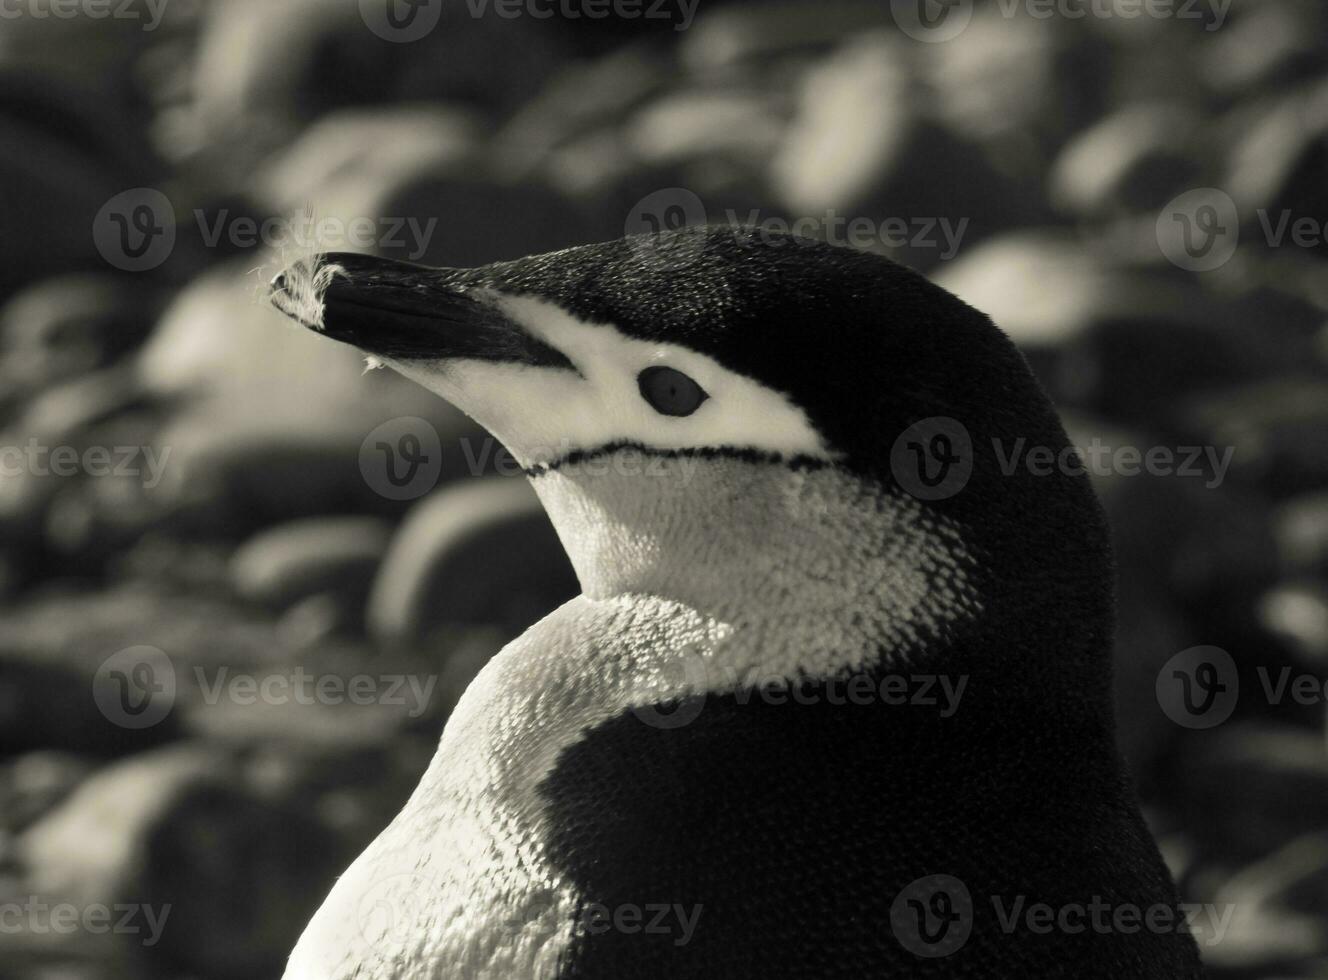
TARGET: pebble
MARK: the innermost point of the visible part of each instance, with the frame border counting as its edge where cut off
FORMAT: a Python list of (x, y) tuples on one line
[(1135, 159), (293, 561), (482, 553)]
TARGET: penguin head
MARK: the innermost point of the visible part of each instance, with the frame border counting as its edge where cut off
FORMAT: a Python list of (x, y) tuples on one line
[(716, 387)]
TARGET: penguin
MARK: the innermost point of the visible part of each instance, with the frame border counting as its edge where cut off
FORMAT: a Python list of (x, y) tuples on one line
[(814, 714)]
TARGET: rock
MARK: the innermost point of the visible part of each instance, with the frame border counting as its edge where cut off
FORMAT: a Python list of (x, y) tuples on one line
[(1263, 47), (273, 421), (1135, 159), (582, 98), (862, 148), (1297, 614), (1300, 526), (48, 705), (62, 327), (741, 123), (299, 559), (480, 553), (1277, 432), (230, 877), (1148, 633), (31, 784), (856, 120), (1282, 776), (730, 37), (1274, 166), (1125, 343), (68, 410), (318, 618), (349, 159), (305, 58), (1018, 86), (1275, 908), (481, 219)]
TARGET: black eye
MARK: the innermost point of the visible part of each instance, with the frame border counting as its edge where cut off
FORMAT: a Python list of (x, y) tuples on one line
[(670, 392)]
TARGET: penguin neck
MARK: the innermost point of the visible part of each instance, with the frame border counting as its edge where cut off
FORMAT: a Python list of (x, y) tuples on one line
[(822, 569)]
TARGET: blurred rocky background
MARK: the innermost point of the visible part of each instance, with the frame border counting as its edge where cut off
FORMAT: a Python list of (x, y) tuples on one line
[(241, 585)]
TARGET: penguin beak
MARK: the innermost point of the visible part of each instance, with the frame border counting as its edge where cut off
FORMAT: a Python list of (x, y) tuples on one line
[(403, 312)]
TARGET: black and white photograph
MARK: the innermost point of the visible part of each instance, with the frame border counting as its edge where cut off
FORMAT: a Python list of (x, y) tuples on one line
[(663, 489)]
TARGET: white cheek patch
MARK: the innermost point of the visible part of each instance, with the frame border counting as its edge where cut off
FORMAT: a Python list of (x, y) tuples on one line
[(541, 414)]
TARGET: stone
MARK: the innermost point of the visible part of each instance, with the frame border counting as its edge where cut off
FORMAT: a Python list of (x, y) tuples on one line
[(298, 559), (480, 553), (1135, 159), (231, 878)]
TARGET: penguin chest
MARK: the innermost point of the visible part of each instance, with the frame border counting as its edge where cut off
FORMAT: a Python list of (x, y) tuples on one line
[(461, 884)]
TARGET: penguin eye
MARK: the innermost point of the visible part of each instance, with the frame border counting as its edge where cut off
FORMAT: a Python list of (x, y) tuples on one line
[(670, 392)]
